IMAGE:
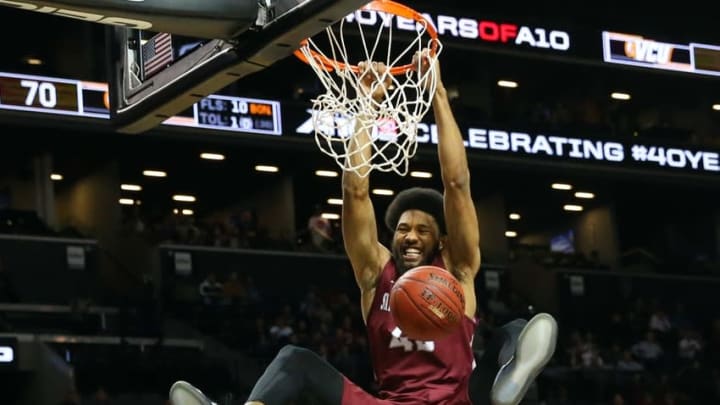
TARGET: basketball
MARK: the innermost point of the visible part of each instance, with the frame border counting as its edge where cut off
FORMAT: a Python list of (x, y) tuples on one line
[(427, 303)]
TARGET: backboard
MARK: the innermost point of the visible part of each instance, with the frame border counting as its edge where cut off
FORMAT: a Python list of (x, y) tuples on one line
[(155, 74), (211, 44)]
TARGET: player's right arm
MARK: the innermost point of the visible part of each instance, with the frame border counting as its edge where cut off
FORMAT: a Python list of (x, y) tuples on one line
[(359, 228), (367, 256)]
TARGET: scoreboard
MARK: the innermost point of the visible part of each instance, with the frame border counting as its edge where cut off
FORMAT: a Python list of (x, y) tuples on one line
[(52, 95), (86, 99), (232, 114), (636, 50)]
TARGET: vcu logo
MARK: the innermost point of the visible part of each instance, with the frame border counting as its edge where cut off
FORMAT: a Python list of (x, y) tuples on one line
[(648, 51)]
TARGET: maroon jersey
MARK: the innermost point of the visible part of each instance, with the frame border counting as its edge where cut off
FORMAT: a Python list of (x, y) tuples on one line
[(418, 372)]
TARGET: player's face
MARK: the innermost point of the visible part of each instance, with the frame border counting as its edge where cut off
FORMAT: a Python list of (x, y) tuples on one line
[(416, 240)]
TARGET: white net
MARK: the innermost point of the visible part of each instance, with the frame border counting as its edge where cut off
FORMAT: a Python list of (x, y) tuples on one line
[(346, 110)]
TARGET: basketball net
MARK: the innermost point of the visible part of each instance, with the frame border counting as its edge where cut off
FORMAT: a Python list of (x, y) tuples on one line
[(345, 113)]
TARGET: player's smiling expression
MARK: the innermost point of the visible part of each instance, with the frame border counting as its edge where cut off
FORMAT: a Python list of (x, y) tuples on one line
[(416, 240)]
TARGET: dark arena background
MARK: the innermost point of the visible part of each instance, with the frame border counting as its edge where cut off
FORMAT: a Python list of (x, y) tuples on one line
[(133, 259)]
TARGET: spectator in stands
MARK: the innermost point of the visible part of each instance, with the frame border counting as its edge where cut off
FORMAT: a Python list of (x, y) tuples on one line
[(659, 322), (262, 344), (343, 360), (589, 354), (245, 225), (253, 294), (234, 290), (618, 399), (211, 290), (133, 221), (188, 232), (689, 346), (218, 235), (648, 350), (628, 363), (310, 303), (289, 315), (302, 334), (320, 231), (281, 331)]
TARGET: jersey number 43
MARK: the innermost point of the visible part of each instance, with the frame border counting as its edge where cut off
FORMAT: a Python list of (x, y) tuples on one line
[(400, 341)]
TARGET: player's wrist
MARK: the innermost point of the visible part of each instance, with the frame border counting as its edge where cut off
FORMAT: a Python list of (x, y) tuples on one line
[(440, 92)]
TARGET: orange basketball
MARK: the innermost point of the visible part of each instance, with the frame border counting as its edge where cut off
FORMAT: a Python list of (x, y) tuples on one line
[(427, 303)]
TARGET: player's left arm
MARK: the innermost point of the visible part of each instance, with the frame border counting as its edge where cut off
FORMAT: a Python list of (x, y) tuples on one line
[(463, 233)]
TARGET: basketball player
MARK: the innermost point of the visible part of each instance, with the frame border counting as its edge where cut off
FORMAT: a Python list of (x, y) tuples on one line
[(429, 228)]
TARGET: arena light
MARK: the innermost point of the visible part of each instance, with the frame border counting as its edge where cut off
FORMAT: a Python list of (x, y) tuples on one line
[(154, 173), (33, 61), (382, 191), (183, 198), (584, 194), (326, 173), (212, 156), (561, 186), (716, 107), (267, 168), (421, 174), (510, 234), (572, 207), (619, 96), (507, 83), (334, 201), (126, 201), (130, 187), (56, 177), (514, 216), (330, 215), (187, 211)]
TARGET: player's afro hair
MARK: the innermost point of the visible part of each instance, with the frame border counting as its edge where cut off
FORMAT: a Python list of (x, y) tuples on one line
[(416, 198)]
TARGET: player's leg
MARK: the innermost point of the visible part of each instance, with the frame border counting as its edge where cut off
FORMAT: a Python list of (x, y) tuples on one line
[(503, 339), (513, 357), (522, 357), (294, 370), (291, 372)]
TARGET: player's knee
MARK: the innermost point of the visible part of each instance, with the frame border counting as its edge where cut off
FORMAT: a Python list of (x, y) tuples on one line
[(291, 355)]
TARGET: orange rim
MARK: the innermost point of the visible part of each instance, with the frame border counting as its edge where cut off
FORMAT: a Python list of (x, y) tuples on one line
[(387, 6)]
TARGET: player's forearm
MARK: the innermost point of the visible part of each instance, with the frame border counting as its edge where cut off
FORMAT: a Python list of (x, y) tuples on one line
[(451, 150), (354, 186)]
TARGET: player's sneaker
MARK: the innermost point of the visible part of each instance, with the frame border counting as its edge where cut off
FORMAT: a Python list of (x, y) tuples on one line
[(184, 393), (531, 352)]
